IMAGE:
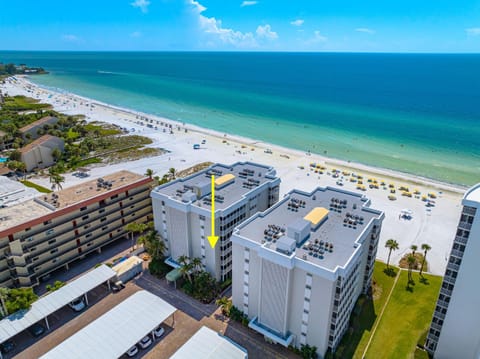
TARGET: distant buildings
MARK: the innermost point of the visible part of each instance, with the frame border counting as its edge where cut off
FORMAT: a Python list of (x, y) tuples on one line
[(182, 211), (39, 152), (41, 235), (454, 331), (32, 129), (300, 266)]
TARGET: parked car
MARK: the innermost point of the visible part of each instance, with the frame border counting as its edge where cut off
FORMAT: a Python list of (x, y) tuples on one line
[(36, 330), (7, 347), (77, 305), (158, 331), (132, 351), (117, 286), (145, 342)]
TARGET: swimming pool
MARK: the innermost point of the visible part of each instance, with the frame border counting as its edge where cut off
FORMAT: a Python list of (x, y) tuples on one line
[(3, 159)]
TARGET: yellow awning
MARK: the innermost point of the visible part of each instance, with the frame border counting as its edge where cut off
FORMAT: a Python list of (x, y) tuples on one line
[(316, 215)]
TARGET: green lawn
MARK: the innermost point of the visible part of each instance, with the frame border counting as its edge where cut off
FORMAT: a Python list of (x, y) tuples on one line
[(36, 186), (23, 103), (406, 318), (365, 313)]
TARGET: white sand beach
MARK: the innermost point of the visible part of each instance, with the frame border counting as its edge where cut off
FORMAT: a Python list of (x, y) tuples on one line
[(433, 225)]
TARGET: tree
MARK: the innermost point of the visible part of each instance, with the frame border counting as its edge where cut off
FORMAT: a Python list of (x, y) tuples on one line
[(308, 352), (153, 243), (412, 261), (425, 248), (56, 154), (392, 245), (15, 155), (413, 247), (172, 172), (57, 181), (23, 168), (186, 271), (21, 298), (225, 304), (197, 264), (134, 228), (56, 285), (149, 173)]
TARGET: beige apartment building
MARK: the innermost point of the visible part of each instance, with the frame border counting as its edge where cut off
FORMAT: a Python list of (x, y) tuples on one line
[(41, 235), (454, 330), (38, 154), (300, 266)]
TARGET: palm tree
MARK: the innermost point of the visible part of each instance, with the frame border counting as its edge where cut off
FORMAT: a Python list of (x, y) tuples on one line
[(425, 248), (56, 154), (186, 270), (135, 227), (392, 245), (57, 181), (225, 304), (197, 264), (413, 247), (172, 172), (153, 243), (149, 173), (412, 261)]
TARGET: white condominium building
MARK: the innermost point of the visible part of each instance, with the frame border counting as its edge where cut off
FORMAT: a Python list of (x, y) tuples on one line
[(300, 266), (454, 331), (182, 211)]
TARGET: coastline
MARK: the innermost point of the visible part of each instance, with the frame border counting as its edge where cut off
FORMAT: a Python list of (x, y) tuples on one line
[(344, 164), (434, 226)]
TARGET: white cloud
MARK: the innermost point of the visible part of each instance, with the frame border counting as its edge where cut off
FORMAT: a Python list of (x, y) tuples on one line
[(473, 31), (249, 3), (70, 38), (317, 37), (142, 4), (136, 34), (365, 30), (219, 35), (266, 32), (298, 22)]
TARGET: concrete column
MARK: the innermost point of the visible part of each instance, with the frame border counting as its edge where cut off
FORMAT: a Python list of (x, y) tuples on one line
[(46, 322), (99, 250), (86, 298), (67, 267)]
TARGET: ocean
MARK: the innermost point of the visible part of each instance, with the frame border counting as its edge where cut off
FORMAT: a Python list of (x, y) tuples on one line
[(415, 113)]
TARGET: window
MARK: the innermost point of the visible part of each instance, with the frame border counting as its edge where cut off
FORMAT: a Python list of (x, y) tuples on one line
[(46, 223), (55, 250), (50, 231), (83, 208), (101, 210), (88, 235), (114, 196), (86, 226), (27, 229), (103, 219), (55, 260), (84, 218), (104, 228), (33, 249), (51, 241)]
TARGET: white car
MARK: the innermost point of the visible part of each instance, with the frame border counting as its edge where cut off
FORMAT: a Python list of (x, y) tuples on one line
[(158, 331), (77, 305), (145, 342), (132, 351)]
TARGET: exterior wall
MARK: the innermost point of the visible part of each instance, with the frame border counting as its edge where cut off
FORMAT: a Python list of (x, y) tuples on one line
[(181, 225), (454, 329), (34, 129), (41, 155), (301, 300), (40, 249)]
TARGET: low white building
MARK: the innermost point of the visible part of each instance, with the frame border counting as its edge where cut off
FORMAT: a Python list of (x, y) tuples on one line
[(182, 211), (299, 267), (454, 331), (38, 154)]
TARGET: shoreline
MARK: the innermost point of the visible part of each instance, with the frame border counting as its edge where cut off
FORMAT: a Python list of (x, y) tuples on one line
[(345, 164), (433, 225)]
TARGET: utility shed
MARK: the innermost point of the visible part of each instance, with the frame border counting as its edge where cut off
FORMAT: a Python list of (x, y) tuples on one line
[(207, 344), (128, 268)]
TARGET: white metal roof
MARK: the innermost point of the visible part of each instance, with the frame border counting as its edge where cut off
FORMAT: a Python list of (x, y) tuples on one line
[(50, 303), (208, 344), (111, 335)]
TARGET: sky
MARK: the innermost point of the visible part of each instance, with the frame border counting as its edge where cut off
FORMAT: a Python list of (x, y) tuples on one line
[(241, 25)]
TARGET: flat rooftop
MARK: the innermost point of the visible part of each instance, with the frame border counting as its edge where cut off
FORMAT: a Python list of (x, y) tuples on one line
[(24, 211), (14, 192), (473, 194), (339, 219), (90, 189), (233, 182)]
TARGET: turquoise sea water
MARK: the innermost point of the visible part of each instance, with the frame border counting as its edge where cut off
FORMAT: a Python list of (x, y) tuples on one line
[(414, 113)]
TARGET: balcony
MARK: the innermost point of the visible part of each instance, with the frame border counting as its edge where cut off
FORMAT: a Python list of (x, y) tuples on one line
[(446, 292), (456, 253), (461, 240), (465, 225), (453, 266)]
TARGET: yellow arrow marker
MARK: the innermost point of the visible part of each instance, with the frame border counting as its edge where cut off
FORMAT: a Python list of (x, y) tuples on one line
[(213, 239)]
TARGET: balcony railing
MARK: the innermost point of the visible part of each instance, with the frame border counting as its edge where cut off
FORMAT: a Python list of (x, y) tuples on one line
[(453, 266), (456, 253), (465, 225), (461, 240)]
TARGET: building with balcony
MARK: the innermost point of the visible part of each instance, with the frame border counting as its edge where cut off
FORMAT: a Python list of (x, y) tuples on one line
[(182, 211), (454, 329), (299, 267), (38, 154), (40, 235), (33, 128)]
